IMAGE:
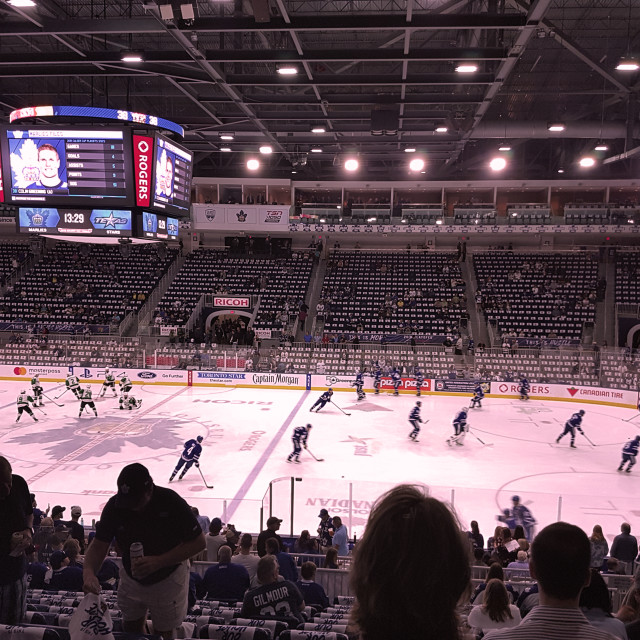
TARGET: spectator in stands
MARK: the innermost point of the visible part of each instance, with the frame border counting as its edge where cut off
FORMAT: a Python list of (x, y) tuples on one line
[(476, 538), (305, 543), (286, 563), (625, 547), (405, 594), (71, 548), (312, 592), (496, 611), (495, 573), (16, 521), (612, 565), (76, 530), (273, 524), (340, 537), (331, 559), (36, 571), (560, 556), (226, 580), (629, 611), (599, 547), (214, 540), (56, 516), (38, 514), (163, 523), (63, 577), (324, 527), (521, 564), (595, 603), (246, 559), (203, 521), (273, 598)]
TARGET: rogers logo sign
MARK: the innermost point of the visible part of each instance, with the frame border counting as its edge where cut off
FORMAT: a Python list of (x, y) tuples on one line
[(142, 159), (231, 302)]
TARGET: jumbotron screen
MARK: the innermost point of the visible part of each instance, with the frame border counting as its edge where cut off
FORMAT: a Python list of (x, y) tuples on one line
[(155, 226), (75, 222), (172, 179), (67, 166)]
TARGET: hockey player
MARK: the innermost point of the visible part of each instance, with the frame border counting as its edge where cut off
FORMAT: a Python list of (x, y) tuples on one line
[(523, 388), (570, 426), (129, 402), (322, 400), (396, 379), (125, 383), (460, 427), (87, 401), (629, 453), (73, 384), (300, 435), (358, 384), (109, 383), (23, 405), (415, 420), (419, 380), (523, 516), (189, 457), (377, 377), (478, 395), (36, 387)]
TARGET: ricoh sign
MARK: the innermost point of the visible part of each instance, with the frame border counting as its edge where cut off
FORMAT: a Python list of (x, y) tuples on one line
[(232, 303)]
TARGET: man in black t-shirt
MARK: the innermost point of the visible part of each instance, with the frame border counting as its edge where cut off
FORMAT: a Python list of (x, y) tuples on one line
[(16, 518), (158, 582), (273, 524), (273, 598)]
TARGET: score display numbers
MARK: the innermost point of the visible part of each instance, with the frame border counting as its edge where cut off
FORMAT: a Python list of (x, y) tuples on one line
[(50, 166), (172, 179), (81, 222), (158, 227)]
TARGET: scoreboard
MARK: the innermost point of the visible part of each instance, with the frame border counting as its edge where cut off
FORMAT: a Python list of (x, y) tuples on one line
[(75, 222), (173, 170), (61, 166), (154, 226)]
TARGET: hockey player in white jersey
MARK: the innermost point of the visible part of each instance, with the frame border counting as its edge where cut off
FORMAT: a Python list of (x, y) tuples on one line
[(87, 401), (128, 402), (109, 383), (415, 420), (460, 426), (125, 383), (36, 387), (23, 405)]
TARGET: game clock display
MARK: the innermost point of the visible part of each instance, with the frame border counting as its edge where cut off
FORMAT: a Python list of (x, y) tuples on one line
[(67, 166), (79, 222)]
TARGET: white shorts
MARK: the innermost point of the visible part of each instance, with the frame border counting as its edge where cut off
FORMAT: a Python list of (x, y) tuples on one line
[(166, 601)]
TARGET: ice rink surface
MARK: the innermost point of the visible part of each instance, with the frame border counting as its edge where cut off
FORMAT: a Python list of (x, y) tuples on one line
[(69, 460)]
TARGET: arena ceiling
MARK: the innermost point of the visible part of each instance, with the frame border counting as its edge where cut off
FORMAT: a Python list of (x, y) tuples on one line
[(378, 75)]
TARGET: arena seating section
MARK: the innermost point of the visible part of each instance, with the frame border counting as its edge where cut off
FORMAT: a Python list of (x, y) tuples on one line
[(205, 270), (628, 277), (575, 276), (136, 273), (9, 251), (359, 281)]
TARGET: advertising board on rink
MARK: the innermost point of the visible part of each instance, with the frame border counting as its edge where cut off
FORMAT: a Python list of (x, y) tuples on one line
[(344, 382)]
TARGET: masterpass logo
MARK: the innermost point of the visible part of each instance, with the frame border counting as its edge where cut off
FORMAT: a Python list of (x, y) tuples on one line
[(19, 371), (572, 391)]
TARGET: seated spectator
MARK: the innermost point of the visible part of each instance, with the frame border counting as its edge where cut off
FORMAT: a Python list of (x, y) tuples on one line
[(72, 548), (595, 602), (312, 592), (273, 598), (226, 580), (305, 543), (629, 611), (286, 563), (36, 571), (495, 572), (246, 559), (331, 559), (521, 564), (404, 594), (214, 539), (612, 565), (63, 577), (496, 612)]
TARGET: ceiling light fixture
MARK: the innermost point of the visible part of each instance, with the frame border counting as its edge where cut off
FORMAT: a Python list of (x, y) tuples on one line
[(497, 164), (627, 63), (504, 147), (265, 149), (253, 164), (226, 136), (556, 127), (601, 146), (351, 164), (560, 170), (287, 70), (225, 149), (587, 162), (318, 130), (442, 129), (466, 67), (410, 150), (316, 150), (132, 56), (22, 3), (417, 164)]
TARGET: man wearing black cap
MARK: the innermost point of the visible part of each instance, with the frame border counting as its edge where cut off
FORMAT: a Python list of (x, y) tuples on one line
[(16, 520), (190, 456), (324, 536), (273, 524), (56, 515), (156, 580)]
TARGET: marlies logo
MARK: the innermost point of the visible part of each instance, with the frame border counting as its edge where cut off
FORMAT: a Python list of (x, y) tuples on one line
[(241, 215), (38, 217), (210, 214), (572, 391)]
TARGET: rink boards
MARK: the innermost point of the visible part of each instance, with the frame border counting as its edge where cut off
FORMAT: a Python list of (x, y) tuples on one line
[(308, 382)]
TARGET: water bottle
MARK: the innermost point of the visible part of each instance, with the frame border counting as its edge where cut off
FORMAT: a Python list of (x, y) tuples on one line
[(136, 551)]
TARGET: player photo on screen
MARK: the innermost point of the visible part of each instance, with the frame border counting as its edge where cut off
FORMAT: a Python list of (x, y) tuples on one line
[(150, 221), (39, 165), (164, 176)]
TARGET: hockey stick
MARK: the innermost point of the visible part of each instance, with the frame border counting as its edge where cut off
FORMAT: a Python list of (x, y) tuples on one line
[(60, 396), (337, 407), (52, 400), (209, 486), (632, 418), (311, 454), (486, 444), (587, 438), (39, 409)]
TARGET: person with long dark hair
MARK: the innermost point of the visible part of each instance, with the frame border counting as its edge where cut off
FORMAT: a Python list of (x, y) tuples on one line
[(405, 594), (495, 612)]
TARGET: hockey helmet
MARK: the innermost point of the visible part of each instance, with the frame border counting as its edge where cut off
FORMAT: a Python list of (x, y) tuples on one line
[(330, 390), (309, 426), (106, 370), (581, 412), (199, 438), (637, 438), (126, 395), (464, 409), (37, 376), (88, 386), (515, 498), (23, 391), (418, 404)]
